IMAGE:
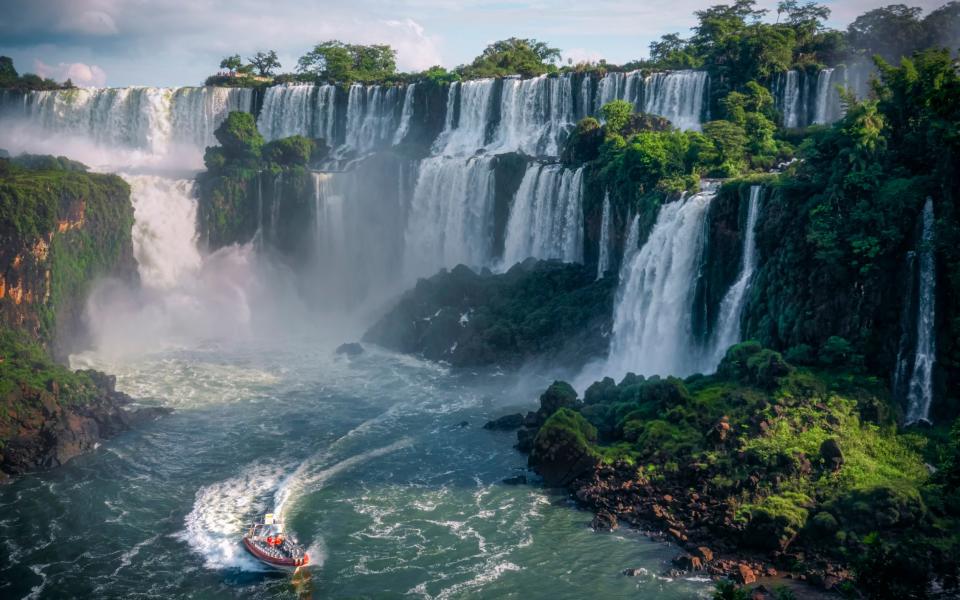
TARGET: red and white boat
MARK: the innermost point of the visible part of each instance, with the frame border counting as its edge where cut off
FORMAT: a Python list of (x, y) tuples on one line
[(268, 542)]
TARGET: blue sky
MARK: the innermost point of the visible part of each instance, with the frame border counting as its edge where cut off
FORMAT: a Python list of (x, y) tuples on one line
[(180, 42)]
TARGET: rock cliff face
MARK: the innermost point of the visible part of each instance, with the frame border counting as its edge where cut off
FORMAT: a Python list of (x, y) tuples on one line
[(61, 229)]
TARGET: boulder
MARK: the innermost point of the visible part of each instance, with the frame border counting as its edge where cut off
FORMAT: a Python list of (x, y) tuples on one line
[(745, 575), (562, 449), (350, 349), (505, 423), (604, 521), (831, 454)]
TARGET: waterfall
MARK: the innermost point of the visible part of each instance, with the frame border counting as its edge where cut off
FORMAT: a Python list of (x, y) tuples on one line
[(631, 245), (406, 113), (609, 89), (677, 96), (652, 329), (467, 133), (164, 231), (920, 388), (822, 102), (789, 97), (451, 215), (535, 115), (603, 255), (298, 109), (727, 330), (546, 219), (152, 120)]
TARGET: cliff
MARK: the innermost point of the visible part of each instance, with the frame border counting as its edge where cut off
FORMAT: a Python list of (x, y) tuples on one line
[(61, 229)]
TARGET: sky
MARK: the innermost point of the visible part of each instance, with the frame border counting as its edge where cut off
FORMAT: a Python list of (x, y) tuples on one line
[(180, 42)]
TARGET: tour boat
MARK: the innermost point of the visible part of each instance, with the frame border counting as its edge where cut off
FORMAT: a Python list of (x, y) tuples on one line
[(268, 542)]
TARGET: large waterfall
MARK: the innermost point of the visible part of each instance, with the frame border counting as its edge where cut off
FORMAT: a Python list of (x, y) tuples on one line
[(652, 328), (727, 329), (380, 222), (546, 220), (920, 386)]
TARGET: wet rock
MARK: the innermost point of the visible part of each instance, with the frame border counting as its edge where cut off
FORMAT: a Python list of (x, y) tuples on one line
[(505, 423), (688, 562), (745, 574), (831, 454), (525, 439), (515, 480), (350, 349), (604, 521), (635, 572), (705, 554)]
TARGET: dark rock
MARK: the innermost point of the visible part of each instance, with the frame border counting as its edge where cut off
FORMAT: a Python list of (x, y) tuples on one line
[(604, 521), (687, 562), (561, 450), (635, 572), (350, 349), (831, 454), (525, 439), (505, 423), (463, 424), (705, 554)]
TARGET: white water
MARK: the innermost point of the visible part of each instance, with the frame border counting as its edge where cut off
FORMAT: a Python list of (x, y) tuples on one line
[(631, 245), (406, 113), (678, 96), (790, 98), (535, 115), (727, 331), (920, 389), (469, 132), (451, 215), (603, 254), (546, 219), (652, 330), (299, 109)]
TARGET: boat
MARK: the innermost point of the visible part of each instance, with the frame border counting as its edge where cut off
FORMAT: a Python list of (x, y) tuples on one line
[(270, 544)]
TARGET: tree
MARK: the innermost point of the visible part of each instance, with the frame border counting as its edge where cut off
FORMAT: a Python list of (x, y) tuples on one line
[(672, 51), (892, 31), (8, 74), (337, 61), (616, 115), (239, 137), (231, 63), (265, 63), (513, 56)]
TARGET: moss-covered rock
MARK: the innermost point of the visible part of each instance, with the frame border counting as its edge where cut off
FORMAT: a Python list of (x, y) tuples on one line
[(562, 450), (547, 310)]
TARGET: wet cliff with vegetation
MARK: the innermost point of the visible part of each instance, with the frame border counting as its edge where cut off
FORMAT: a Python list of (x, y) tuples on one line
[(61, 230)]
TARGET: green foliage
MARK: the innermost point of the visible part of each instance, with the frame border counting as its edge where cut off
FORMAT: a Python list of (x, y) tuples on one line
[(616, 115), (290, 151), (265, 63), (438, 74), (238, 137), (728, 590), (26, 363), (231, 63), (10, 79), (336, 61), (513, 56)]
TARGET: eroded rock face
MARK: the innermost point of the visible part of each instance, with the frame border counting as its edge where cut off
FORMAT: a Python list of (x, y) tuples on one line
[(46, 429)]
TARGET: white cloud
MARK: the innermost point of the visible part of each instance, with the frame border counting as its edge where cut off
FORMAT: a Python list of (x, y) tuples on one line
[(90, 22), (80, 74), (416, 51)]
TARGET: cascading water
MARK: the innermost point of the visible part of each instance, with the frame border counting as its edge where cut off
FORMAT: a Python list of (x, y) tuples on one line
[(451, 215), (603, 253), (823, 97), (546, 219), (535, 115), (631, 245), (678, 96), (468, 115), (406, 113), (299, 109), (652, 329), (920, 388), (727, 330), (789, 98)]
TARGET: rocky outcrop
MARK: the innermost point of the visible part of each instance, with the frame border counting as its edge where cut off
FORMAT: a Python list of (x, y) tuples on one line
[(46, 427), (61, 228), (545, 310)]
